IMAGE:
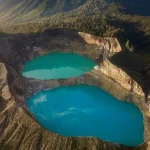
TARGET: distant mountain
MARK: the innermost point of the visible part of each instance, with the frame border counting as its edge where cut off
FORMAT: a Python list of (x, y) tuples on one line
[(43, 7), (136, 7), (32, 9), (26, 10)]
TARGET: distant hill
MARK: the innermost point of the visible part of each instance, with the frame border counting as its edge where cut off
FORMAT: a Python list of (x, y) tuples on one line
[(135, 7), (26, 10)]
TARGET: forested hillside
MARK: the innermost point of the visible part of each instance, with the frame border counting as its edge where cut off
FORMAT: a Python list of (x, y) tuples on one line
[(25, 10), (135, 7), (129, 20)]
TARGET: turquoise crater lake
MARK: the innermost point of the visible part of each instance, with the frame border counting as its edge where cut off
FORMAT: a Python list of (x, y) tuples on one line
[(57, 65), (84, 110)]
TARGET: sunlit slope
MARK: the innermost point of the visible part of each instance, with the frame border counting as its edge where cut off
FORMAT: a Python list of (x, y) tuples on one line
[(26, 10), (33, 9)]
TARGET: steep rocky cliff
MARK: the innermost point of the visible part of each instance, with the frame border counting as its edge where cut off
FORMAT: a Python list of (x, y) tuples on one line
[(108, 46), (120, 76), (4, 88)]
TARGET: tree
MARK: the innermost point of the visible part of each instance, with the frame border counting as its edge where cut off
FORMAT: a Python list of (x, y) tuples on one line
[(129, 46)]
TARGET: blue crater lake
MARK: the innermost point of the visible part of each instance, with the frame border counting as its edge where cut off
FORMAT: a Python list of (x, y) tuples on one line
[(57, 65), (84, 110)]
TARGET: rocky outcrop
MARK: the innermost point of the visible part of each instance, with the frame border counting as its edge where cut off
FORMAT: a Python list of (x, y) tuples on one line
[(108, 46), (4, 88), (120, 76)]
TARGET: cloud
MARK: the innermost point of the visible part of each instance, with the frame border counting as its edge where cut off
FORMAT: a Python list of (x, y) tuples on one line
[(41, 99), (73, 110)]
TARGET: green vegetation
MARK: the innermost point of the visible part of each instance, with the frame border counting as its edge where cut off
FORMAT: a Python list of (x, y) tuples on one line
[(129, 46), (98, 17), (136, 7)]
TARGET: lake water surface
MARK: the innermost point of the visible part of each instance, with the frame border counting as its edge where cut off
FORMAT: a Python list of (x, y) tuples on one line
[(57, 65), (84, 110)]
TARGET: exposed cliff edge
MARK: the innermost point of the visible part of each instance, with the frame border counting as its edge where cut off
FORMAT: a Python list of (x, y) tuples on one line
[(18, 129), (120, 76), (109, 46), (4, 88)]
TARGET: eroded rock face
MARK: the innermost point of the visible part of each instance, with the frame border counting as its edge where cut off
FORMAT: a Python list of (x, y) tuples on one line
[(108, 46), (120, 76), (18, 128), (4, 88)]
